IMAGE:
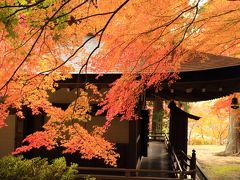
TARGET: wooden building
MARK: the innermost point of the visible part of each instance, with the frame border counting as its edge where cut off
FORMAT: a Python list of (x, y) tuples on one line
[(216, 77)]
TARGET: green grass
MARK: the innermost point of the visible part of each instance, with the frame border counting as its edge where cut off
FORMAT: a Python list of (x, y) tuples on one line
[(223, 172)]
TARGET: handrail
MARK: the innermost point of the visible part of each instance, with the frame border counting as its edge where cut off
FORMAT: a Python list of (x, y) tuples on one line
[(121, 173), (174, 157), (177, 161), (179, 170), (185, 163), (185, 160), (156, 136), (113, 177), (125, 170), (185, 156), (182, 165), (169, 146)]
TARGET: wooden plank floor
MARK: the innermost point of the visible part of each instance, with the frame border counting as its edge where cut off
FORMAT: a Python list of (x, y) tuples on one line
[(158, 159)]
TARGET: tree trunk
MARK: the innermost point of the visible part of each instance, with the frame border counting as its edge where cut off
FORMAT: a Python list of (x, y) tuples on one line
[(190, 132), (233, 144), (157, 120)]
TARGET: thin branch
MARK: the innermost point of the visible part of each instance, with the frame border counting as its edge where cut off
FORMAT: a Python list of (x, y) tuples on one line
[(34, 44), (170, 22), (94, 15), (165, 25), (148, 46), (218, 15), (87, 17), (85, 42), (177, 45), (73, 9), (25, 6), (99, 42)]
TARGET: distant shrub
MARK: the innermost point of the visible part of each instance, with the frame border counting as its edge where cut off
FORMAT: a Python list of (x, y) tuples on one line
[(19, 168), (199, 141)]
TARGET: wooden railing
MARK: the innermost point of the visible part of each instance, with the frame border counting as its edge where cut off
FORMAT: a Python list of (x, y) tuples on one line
[(121, 173), (156, 136), (189, 163), (184, 167)]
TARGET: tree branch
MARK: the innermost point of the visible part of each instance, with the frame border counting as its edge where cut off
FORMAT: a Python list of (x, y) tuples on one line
[(25, 6), (34, 44)]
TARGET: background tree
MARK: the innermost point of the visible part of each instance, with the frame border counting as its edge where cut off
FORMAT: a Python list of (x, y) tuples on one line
[(213, 126), (233, 140)]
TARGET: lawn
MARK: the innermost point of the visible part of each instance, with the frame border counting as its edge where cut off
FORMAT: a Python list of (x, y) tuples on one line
[(214, 166)]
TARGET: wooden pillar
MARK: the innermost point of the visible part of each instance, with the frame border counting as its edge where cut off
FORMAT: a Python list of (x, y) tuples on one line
[(144, 132), (178, 128), (132, 153)]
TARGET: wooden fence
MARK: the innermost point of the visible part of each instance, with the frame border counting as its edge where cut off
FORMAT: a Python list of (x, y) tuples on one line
[(183, 168)]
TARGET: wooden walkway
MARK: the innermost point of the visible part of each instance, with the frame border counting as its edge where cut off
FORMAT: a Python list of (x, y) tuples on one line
[(158, 159), (156, 166)]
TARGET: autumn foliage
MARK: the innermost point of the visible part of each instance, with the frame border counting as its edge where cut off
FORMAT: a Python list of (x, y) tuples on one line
[(213, 126), (44, 41)]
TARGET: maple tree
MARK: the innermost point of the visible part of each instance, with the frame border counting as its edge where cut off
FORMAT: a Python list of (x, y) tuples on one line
[(221, 125), (233, 139), (212, 129), (144, 40)]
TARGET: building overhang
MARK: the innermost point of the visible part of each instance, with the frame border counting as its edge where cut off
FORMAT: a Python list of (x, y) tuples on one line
[(215, 77), (202, 85)]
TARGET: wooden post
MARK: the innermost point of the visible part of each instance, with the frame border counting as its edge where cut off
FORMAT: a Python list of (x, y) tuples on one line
[(127, 174), (193, 164), (181, 175), (178, 128)]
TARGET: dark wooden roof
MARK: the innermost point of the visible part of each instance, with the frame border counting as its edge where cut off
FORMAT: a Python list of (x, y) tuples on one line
[(203, 85), (213, 77), (208, 61), (206, 84), (204, 77)]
